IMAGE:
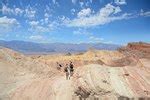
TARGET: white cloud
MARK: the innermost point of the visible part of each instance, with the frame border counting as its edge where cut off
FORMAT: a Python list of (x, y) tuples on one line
[(36, 37), (55, 2), (120, 2), (64, 20), (84, 12), (145, 14), (95, 39), (87, 4), (117, 10), (41, 38), (5, 21), (18, 11), (74, 1), (105, 15), (30, 12), (42, 26), (73, 11), (81, 4), (15, 11), (42, 22), (46, 20), (34, 23), (108, 42), (8, 24), (48, 9), (39, 29), (108, 10), (81, 32), (48, 12), (6, 10), (46, 15)]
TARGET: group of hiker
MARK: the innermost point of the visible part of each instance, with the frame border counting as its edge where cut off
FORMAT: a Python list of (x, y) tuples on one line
[(69, 69)]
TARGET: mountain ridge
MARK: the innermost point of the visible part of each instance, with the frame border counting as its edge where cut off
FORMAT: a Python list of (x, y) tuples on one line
[(27, 47)]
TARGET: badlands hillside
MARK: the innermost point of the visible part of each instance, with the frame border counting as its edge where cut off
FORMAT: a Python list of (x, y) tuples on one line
[(99, 75)]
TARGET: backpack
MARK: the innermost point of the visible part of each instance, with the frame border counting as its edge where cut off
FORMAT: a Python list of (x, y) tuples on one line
[(71, 69), (71, 66), (65, 69)]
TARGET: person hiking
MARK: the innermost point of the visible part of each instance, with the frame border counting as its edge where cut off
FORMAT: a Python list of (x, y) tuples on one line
[(71, 68), (59, 66), (68, 72)]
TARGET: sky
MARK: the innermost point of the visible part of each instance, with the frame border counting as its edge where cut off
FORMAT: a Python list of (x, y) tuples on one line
[(75, 21)]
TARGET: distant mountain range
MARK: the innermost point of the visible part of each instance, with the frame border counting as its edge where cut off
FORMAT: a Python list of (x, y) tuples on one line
[(44, 48)]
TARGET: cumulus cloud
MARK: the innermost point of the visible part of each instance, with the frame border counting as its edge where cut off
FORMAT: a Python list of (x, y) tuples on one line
[(73, 11), (145, 14), (36, 37), (108, 10), (39, 29), (8, 24), (117, 10), (84, 12), (120, 2), (105, 15), (6, 10), (46, 18), (34, 23), (5, 21), (41, 38), (30, 12), (42, 26), (15, 11), (47, 13), (18, 11)]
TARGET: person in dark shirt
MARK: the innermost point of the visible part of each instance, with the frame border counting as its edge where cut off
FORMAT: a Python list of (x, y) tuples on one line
[(71, 68)]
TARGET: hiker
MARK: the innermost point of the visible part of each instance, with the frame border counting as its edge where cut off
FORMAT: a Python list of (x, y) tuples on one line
[(59, 66), (68, 71), (71, 68)]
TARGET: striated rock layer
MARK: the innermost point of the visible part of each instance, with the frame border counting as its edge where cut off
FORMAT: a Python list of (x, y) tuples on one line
[(98, 75)]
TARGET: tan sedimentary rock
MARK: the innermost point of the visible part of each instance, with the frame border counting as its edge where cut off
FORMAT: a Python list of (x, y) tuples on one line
[(106, 75)]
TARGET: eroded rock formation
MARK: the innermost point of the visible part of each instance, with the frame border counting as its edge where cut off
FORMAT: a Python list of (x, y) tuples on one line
[(115, 75)]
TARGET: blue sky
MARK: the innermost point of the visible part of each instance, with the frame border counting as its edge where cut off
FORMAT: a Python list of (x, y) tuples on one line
[(75, 21)]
